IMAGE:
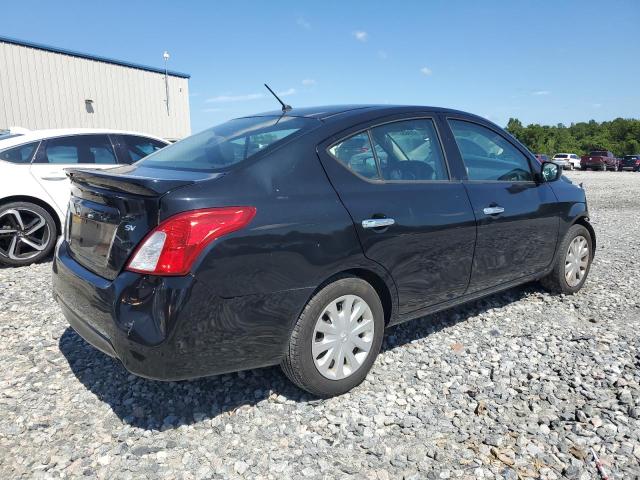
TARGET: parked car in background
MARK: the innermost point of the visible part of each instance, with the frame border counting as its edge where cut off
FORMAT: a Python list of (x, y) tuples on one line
[(541, 157), (630, 162), (34, 189), (599, 160), (213, 256), (568, 161)]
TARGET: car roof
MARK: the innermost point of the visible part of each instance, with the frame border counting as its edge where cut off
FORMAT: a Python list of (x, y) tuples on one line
[(326, 112), (35, 135)]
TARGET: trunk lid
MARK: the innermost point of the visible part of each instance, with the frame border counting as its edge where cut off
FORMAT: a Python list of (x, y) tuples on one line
[(111, 212)]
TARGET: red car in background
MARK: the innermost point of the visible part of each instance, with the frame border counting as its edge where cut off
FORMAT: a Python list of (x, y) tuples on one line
[(600, 160)]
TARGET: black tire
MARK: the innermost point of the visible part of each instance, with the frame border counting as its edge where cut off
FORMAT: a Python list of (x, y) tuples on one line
[(556, 282), (45, 236), (298, 363)]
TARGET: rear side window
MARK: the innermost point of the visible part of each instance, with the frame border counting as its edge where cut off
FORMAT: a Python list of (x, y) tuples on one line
[(405, 150), (221, 147), (488, 155), (136, 148), (79, 149), (21, 154), (409, 150), (356, 154)]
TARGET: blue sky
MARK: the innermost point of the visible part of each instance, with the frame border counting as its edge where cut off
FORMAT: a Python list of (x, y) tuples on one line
[(540, 61)]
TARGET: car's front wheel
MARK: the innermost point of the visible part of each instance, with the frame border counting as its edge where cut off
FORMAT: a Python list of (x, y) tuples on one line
[(27, 233), (572, 263), (336, 338)]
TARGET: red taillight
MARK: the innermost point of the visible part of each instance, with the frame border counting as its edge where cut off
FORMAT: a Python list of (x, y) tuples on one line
[(173, 246)]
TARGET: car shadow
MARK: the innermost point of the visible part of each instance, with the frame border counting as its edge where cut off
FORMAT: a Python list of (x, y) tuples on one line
[(156, 405)]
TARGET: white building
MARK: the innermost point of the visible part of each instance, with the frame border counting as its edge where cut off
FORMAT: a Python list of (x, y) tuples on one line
[(47, 87)]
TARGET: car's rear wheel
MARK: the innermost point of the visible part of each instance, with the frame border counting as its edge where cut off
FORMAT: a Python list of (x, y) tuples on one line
[(336, 338), (572, 263), (27, 233)]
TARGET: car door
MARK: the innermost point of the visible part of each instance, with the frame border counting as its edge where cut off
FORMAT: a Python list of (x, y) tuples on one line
[(56, 154), (516, 215), (411, 217)]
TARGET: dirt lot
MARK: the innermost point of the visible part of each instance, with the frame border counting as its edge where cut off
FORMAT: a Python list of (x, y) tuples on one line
[(519, 385)]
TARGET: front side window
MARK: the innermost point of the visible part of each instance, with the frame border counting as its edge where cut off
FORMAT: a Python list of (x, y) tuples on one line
[(137, 148), (21, 154), (219, 148), (409, 150), (488, 155), (79, 149)]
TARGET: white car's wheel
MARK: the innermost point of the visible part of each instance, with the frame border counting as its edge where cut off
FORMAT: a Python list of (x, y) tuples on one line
[(27, 233)]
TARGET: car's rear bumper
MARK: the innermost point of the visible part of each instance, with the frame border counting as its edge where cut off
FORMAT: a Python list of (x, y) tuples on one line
[(172, 328)]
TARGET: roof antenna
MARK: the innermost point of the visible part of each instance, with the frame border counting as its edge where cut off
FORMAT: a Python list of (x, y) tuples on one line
[(285, 107)]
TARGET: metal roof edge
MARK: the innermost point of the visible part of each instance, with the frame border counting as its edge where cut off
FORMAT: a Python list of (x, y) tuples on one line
[(87, 56)]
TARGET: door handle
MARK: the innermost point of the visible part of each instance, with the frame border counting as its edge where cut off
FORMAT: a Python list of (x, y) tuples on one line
[(377, 222), (54, 178), (493, 210)]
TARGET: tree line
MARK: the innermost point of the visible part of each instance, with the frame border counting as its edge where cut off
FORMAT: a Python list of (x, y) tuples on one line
[(620, 136)]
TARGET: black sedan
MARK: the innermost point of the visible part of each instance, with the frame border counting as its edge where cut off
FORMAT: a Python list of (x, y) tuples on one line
[(297, 237)]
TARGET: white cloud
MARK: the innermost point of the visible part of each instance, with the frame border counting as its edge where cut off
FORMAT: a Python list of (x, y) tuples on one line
[(309, 82), (304, 23), (382, 54), (235, 98), (286, 93), (541, 92), (361, 35), (596, 105), (426, 71)]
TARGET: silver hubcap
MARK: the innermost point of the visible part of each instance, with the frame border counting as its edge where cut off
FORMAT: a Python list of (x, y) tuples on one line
[(23, 234), (577, 260), (342, 337)]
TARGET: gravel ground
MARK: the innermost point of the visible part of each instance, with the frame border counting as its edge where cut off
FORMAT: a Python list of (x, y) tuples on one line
[(518, 385)]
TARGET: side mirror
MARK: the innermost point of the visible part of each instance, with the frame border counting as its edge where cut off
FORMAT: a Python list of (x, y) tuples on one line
[(550, 172)]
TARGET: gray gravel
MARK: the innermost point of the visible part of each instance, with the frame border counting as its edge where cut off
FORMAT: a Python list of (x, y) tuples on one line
[(519, 385)]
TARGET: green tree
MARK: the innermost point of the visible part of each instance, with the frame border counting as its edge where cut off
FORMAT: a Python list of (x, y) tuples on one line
[(621, 136)]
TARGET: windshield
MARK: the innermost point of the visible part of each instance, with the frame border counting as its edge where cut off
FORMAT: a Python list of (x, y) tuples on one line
[(220, 147), (561, 155), (598, 153), (5, 134)]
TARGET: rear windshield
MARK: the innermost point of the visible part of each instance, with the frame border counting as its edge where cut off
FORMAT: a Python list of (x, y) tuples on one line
[(220, 147), (561, 155), (632, 157), (598, 153)]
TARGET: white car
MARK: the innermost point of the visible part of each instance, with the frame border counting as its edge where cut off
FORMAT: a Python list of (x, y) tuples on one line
[(569, 161), (34, 189)]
